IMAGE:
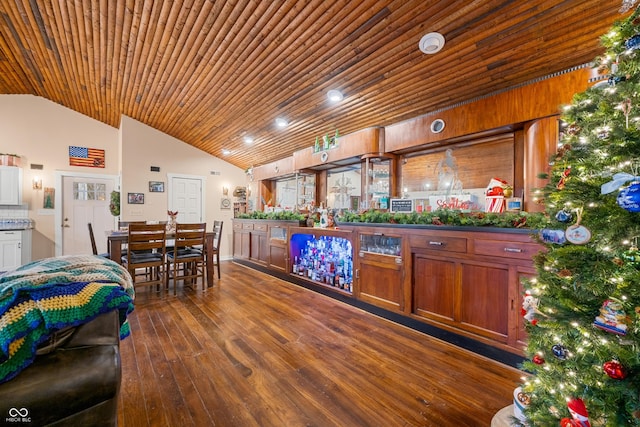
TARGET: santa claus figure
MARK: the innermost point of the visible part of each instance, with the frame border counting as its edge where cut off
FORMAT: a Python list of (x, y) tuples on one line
[(579, 415)]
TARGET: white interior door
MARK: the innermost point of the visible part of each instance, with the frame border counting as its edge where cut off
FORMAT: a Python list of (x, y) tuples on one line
[(85, 199), (186, 195)]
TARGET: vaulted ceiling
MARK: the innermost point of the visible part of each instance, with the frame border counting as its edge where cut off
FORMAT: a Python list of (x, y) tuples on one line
[(212, 72)]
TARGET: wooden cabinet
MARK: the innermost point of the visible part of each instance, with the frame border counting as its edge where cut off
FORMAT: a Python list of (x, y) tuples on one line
[(278, 247), (461, 279), (380, 269), (241, 239), (259, 243), (262, 241), (434, 287), (470, 282), (10, 185)]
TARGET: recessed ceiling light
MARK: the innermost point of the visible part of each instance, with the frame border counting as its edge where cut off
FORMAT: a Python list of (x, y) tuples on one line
[(335, 95), (226, 152), (431, 43), (248, 140), (281, 123)]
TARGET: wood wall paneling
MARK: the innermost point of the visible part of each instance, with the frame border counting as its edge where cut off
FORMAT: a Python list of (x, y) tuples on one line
[(350, 146), (520, 105), (541, 142), (477, 164)]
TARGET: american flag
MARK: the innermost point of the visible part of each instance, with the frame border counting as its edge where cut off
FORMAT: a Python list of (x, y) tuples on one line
[(82, 156)]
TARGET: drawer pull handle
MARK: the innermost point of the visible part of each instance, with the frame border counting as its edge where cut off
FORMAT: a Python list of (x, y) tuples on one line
[(434, 243), (516, 250)]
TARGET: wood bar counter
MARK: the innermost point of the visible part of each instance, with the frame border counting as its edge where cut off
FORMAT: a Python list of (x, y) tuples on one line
[(465, 280)]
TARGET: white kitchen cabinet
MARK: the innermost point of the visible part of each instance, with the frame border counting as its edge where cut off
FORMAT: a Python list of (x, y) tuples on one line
[(10, 249), (10, 185)]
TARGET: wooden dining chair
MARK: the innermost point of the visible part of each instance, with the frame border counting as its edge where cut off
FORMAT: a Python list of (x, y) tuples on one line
[(123, 224), (187, 261), (146, 251), (217, 238), (94, 248)]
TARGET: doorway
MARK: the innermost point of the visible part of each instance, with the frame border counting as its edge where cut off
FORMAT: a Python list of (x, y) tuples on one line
[(83, 198), (186, 195)]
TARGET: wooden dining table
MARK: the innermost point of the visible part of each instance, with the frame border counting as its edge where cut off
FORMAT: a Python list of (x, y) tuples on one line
[(115, 240)]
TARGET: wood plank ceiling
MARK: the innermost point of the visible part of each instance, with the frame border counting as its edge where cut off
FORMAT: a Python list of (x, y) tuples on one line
[(212, 72)]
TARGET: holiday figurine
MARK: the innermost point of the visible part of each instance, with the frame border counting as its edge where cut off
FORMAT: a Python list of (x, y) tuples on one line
[(529, 307), (579, 415)]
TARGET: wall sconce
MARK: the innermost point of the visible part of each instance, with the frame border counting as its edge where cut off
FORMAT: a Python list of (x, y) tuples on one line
[(37, 183), (225, 191)]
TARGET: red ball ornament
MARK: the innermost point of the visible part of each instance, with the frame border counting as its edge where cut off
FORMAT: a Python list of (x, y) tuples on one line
[(538, 360), (615, 370)]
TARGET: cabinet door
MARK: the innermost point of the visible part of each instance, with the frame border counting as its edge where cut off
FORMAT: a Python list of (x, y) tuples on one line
[(10, 185), (380, 279), (10, 253), (484, 300), (240, 244), (259, 246), (434, 288)]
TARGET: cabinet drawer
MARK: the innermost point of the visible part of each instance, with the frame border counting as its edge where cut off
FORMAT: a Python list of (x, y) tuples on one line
[(246, 226), (260, 227), (10, 235), (439, 243), (505, 249), (237, 226)]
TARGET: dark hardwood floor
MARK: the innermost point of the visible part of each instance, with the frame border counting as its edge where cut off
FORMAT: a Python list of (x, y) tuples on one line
[(258, 351)]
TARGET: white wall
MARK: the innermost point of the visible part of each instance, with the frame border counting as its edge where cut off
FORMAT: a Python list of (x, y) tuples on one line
[(144, 146), (40, 132)]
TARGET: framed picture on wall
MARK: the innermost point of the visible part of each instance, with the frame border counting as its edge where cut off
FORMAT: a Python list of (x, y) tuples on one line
[(135, 198), (156, 187)]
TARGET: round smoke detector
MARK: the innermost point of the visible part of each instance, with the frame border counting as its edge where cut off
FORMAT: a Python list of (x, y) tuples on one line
[(431, 43)]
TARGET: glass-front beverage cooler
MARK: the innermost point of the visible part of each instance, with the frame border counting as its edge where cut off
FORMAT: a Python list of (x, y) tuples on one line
[(324, 258)]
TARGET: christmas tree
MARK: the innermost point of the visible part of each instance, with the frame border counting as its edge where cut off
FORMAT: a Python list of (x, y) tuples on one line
[(583, 307)]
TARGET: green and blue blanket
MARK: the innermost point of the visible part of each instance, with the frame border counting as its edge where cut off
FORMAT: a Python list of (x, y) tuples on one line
[(44, 296)]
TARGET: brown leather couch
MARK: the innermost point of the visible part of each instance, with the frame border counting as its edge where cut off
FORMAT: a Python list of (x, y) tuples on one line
[(73, 381)]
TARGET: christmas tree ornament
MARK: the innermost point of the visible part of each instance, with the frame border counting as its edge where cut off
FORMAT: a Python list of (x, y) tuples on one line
[(618, 181), (560, 351), (627, 5), (573, 129), (565, 273), (613, 80), (563, 178), (631, 256), (614, 369), (625, 106), (629, 197), (537, 359), (603, 133), (612, 317), (633, 43), (564, 215), (578, 234), (579, 414)]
